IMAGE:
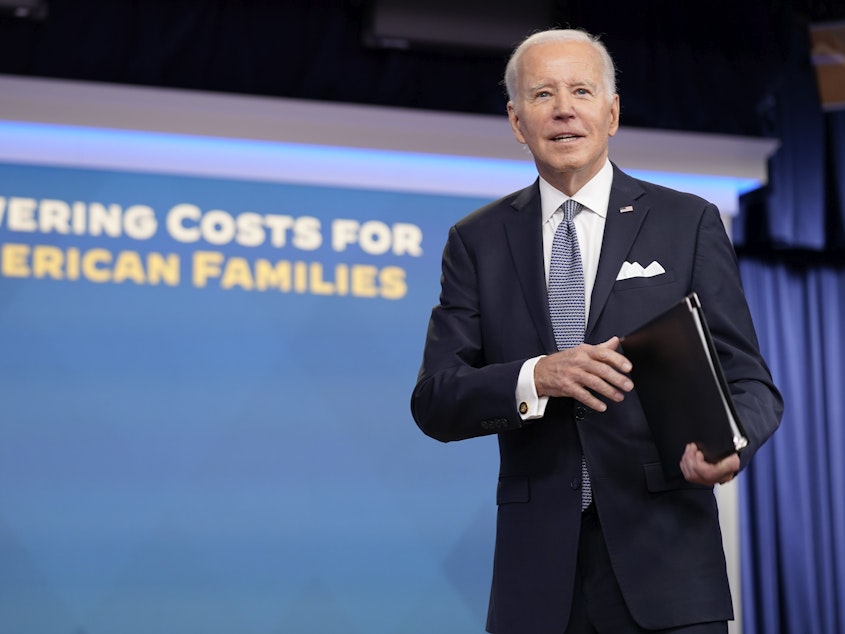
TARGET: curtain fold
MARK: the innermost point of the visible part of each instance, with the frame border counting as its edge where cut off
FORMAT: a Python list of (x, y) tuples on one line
[(792, 497)]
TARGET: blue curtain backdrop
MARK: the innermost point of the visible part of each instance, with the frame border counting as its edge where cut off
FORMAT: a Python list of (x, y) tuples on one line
[(793, 495), (791, 245)]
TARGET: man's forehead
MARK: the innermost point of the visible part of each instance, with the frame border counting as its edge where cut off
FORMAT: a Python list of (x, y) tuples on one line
[(557, 57), (561, 48), (560, 69)]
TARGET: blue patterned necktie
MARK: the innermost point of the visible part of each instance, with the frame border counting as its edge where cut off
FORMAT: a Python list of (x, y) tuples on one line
[(566, 302)]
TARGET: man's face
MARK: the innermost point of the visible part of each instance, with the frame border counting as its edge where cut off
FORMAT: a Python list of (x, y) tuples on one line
[(563, 113)]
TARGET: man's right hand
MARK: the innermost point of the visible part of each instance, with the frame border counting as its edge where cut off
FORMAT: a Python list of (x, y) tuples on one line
[(585, 371)]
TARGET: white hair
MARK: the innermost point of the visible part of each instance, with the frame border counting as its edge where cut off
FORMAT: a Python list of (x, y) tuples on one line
[(559, 35)]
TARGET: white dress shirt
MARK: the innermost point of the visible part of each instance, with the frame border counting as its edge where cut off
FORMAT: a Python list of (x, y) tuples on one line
[(589, 226)]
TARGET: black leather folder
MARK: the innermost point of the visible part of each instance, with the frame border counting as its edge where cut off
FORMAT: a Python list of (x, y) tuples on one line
[(679, 381)]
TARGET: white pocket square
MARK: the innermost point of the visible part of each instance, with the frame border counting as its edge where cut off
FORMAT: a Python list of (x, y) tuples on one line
[(636, 269)]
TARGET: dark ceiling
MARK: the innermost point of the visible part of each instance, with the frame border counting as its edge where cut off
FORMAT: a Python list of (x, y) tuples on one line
[(701, 66)]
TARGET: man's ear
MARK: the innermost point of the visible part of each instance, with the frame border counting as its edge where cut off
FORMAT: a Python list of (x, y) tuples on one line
[(513, 117), (614, 115)]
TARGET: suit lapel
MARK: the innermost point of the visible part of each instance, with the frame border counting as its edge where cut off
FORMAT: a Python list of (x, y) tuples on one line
[(525, 239), (524, 236), (625, 213)]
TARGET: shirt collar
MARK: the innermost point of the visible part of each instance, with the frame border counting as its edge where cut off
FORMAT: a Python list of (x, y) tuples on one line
[(594, 195)]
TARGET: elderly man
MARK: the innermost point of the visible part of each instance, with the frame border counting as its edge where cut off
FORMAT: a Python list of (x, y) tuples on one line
[(592, 535)]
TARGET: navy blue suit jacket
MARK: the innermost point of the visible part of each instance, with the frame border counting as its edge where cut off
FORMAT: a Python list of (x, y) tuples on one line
[(663, 535)]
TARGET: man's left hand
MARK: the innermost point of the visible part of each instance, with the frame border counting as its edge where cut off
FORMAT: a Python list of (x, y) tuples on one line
[(696, 469)]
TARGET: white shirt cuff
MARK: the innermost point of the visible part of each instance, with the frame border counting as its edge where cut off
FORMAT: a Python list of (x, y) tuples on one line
[(528, 404)]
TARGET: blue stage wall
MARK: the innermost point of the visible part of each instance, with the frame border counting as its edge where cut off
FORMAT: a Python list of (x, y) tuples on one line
[(204, 421)]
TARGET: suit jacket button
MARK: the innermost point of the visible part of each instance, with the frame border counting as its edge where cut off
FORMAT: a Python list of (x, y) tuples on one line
[(523, 408), (575, 484), (580, 412)]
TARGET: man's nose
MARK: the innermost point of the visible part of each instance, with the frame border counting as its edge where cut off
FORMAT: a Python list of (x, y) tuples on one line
[(563, 105)]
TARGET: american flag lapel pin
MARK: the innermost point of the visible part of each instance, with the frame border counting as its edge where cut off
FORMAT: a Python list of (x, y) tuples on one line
[(626, 209)]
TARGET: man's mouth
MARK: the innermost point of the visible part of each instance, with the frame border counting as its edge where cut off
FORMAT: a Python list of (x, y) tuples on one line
[(565, 138)]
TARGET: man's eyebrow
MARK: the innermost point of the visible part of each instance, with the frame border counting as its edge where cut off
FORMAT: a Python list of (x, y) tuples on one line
[(581, 83)]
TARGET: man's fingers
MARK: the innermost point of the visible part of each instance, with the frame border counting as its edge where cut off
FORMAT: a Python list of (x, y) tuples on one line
[(608, 352), (696, 469), (607, 382)]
